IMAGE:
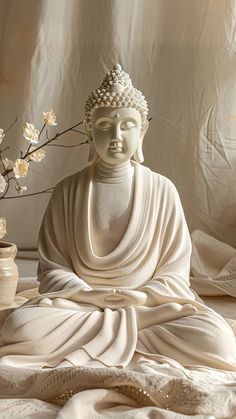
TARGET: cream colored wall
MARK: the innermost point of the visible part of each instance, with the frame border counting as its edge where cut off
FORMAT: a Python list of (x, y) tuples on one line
[(180, 53)]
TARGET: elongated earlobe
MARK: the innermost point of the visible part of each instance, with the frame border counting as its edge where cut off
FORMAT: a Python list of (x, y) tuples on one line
[(93, 155), (138, 155)]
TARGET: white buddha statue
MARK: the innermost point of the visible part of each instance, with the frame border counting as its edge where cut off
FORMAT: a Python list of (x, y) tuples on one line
[(114, 259)]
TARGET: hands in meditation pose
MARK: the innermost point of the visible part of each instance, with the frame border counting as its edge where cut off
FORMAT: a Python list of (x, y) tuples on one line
[(114, 259)]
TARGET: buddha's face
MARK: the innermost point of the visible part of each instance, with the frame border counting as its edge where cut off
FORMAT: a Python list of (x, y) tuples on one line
[(116, 133)]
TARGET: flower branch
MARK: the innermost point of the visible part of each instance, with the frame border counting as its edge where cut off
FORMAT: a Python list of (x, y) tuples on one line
[(31, 151), (13, 170)]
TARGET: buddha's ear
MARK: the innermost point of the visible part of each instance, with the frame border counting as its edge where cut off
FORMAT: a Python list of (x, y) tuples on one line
[(93, 155), (144, 129), (138, 155)]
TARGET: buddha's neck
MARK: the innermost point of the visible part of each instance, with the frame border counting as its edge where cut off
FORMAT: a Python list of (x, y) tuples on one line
[(110, 173)]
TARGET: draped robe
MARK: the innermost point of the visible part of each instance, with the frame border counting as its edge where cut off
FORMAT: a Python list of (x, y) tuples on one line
[(152, 256)]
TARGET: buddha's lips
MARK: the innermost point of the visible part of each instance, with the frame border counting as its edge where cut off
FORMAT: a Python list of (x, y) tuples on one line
[(114, 145)]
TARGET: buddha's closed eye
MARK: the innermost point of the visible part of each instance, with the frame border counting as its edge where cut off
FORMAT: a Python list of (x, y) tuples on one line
[(127, 125), (104, 125)]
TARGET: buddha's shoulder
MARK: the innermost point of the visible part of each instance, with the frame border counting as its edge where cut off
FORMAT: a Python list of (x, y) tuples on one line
[(161, 181), (73, 179)]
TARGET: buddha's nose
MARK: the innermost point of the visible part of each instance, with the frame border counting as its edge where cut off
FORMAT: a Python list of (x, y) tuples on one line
[(117, 132)]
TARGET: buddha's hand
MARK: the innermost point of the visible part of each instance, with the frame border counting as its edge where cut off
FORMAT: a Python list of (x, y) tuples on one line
[(124, 298), (110, 298), (93, 296)]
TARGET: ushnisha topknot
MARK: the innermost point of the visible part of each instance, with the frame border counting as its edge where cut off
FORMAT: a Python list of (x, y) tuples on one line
[(116, 91)]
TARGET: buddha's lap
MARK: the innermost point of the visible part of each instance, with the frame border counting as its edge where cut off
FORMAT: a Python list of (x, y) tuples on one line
[(204, 331), (199, 336)]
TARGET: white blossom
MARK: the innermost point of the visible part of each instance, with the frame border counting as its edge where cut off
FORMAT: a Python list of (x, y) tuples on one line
[(3, 227), (7, 163), (3, 184), (30, 133), (2, 135), (38, 155), (21, 189), (49, 117), (20, 168)]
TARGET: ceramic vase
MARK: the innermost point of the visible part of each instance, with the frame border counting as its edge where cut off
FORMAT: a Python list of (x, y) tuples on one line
[(8, 273)]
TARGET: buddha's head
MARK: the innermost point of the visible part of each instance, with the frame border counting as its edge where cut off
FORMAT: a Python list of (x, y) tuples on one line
[(116, 119)]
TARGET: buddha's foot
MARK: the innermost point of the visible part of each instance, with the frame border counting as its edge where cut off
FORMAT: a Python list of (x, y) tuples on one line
[(187, 310), (148, 316)]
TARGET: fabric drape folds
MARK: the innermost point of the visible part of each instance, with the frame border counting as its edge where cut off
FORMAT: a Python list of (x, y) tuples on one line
[(152, 256)]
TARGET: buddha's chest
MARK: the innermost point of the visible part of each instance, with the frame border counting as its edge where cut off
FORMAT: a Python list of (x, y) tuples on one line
[(111, 209)]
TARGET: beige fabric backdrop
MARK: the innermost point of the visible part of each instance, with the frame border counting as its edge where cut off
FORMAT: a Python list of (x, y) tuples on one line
[(180, 53)]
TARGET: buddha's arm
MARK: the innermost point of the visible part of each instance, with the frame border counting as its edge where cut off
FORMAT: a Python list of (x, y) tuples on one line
[(170, 282), (55, 271)]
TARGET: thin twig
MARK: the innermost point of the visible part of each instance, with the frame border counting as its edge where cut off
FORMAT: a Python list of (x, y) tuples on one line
[(44, 125), (67, 146), (12, 125), (49, 190), (15, 180), (80, 132), (66, 130), (26, 153)]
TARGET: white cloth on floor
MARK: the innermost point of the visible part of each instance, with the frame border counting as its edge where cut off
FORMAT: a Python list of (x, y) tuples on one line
[(213, 266)]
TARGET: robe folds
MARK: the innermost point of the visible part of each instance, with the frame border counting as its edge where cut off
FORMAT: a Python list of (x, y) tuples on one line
[(153, 256)]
